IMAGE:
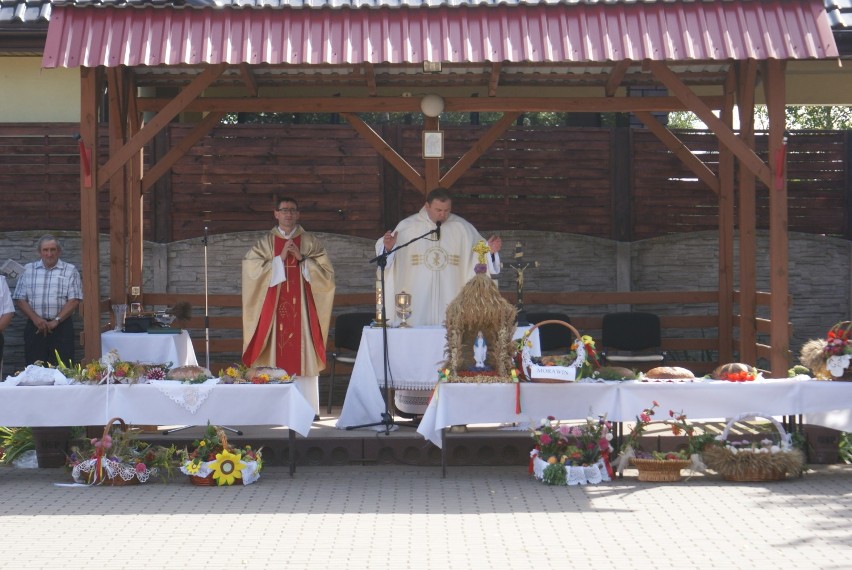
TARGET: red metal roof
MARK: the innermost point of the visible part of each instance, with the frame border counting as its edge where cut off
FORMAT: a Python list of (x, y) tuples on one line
[(579, 33)]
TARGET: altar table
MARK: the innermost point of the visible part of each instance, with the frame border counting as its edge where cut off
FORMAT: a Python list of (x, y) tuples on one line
[(145, 404), (414, 356), (469, 403), (150, 348)]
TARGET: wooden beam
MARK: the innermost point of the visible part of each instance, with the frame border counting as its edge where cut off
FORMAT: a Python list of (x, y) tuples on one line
[(90, 92), (168, 112), (680, 150), (616, 76), (494, 78), (174, 154), (779, 310), (451, 104), (248, 79), (478, 149), (384, 149), (747, 212), (431, 166), (746, 155), (370, 79), (726, 229)]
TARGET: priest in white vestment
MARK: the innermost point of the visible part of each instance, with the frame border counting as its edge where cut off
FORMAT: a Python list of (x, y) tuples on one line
[(433, 269)]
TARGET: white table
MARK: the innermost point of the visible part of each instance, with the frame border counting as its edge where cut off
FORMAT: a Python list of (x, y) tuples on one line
[(414, 357), (145, 404), (462, 404), (151, 348)]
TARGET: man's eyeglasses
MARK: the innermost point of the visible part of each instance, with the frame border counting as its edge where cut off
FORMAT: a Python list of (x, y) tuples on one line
[(288, 210)]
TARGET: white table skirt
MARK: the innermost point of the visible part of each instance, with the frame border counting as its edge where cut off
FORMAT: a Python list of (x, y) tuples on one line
[(151, 348), (144, 404), (414, 357), (461, 404)]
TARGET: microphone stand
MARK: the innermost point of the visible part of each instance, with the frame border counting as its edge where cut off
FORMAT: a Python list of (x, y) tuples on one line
[(381, 261), (206, 339)]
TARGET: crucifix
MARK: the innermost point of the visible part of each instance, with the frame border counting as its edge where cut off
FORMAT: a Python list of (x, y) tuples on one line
[(520, 265)]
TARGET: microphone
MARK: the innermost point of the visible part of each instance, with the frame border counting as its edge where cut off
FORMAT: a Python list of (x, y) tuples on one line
[(438, 231), (204, 241)]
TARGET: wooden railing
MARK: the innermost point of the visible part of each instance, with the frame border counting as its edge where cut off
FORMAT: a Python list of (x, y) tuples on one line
[(689, 319)]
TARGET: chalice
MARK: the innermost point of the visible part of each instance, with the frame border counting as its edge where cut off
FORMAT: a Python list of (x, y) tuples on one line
[(403, 308)]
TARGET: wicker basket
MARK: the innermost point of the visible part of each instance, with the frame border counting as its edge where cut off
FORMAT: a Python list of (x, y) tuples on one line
[(103, 478), (581, 356), (202, 481), (754, 467), (660, 470)]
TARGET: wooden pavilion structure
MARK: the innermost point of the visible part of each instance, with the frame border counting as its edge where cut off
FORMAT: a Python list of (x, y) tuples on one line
[(157, 60)]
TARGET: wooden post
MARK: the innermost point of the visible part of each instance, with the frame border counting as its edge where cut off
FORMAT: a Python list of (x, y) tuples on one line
[(726, 228), (747, 218), (779, 310), (89, 97), (117, 189)]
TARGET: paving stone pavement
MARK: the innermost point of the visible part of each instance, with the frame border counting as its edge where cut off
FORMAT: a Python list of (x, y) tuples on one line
[(403, 517)]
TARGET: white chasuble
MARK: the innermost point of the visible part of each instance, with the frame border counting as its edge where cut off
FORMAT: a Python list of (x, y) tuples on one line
[(433, 271)]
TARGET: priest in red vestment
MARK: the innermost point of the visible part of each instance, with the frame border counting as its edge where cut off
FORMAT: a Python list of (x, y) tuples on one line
[(288, 292)]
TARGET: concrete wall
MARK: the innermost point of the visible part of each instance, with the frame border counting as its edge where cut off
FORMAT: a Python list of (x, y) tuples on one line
[(820, 270), (35, 95)]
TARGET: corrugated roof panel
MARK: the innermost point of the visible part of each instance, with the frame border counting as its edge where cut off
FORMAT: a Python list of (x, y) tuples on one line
[(580, 33)]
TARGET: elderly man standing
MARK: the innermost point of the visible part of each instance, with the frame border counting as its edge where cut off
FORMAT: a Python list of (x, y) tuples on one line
[(48, 292)]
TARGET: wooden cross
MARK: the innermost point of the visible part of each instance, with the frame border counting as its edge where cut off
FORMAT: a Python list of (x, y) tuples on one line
[(520, 265)]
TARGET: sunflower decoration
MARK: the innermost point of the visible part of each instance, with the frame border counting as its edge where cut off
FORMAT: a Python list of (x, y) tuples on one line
[(214, 461)]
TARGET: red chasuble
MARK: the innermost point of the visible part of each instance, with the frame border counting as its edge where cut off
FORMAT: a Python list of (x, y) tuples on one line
[(282, 308)]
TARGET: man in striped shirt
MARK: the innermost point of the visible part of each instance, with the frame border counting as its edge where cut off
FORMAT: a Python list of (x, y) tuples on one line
[(48, 292)]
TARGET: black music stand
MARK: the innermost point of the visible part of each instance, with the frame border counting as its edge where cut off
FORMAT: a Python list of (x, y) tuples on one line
[(382, 260)]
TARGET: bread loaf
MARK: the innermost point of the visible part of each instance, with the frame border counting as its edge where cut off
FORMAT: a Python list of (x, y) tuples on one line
[(273, 373), (669, 372), (188, 373)]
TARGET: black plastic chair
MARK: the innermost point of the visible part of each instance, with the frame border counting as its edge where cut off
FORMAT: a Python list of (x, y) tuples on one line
[(631, 338), (552, 338), (347, 338)]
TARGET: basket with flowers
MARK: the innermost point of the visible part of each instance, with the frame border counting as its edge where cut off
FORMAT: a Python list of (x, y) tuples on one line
[(580, 362), (766, 459), (118, 458), (214, 461), (662, 466), (829, 358), (572, 454)]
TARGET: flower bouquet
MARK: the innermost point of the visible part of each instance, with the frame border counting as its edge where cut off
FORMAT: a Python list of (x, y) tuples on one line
[(768, 459), (118, 458), (572, 455), (829, 358), (214, 461)]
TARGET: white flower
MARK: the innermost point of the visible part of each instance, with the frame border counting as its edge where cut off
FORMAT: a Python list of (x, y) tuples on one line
[(774, 449), (609, 436)]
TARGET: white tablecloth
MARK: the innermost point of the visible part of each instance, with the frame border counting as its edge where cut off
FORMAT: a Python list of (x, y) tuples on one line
[(150, 348), (144, 404), (461, 404), (414, 357)]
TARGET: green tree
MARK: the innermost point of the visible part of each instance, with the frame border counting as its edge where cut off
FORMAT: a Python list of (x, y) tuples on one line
[(808, 117)]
